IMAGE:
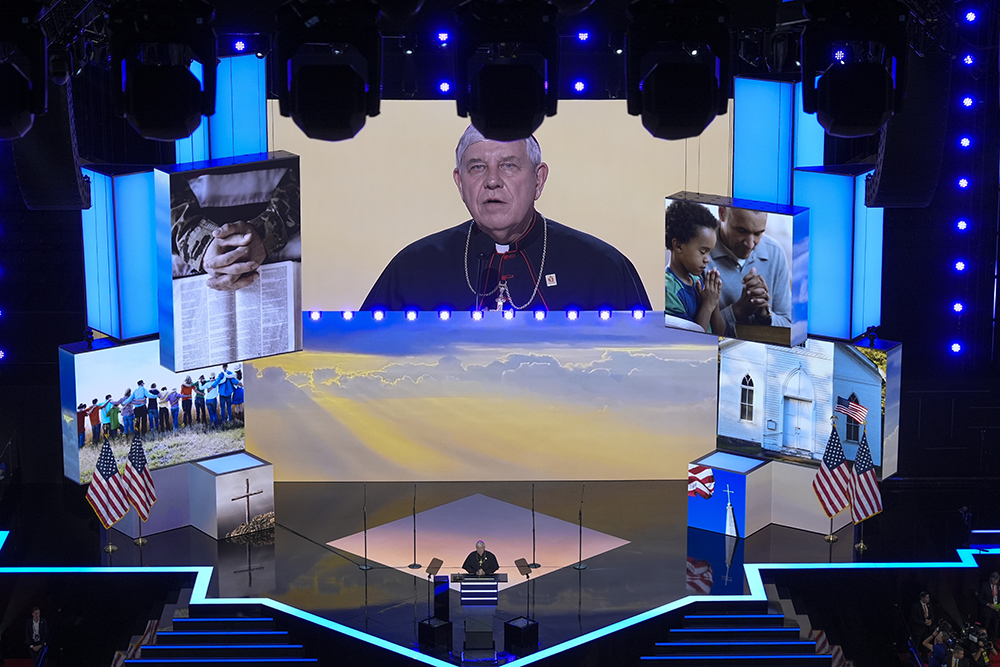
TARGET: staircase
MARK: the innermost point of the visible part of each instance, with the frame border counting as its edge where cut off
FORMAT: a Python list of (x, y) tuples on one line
[(735, 635), (223, 634)]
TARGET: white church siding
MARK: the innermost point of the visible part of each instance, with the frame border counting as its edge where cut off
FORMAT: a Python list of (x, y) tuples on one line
[(795, 388), (738, 359), (855, 373)]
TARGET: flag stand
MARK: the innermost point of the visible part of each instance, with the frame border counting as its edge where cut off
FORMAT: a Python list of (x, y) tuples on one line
[(109, 548), (861, 547), (831, 538), (140, 541)]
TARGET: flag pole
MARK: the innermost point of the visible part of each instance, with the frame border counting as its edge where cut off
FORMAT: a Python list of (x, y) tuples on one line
[(861, 547), (109, 548), (831, 538), (140, 541)]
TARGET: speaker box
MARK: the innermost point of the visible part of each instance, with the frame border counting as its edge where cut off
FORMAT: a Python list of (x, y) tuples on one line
[(47, 160)]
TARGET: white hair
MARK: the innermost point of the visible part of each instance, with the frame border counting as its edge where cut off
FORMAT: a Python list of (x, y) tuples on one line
[(473, 136)]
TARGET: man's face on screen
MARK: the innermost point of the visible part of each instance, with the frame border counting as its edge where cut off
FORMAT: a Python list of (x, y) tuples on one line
[(499, 187), (741, 230)]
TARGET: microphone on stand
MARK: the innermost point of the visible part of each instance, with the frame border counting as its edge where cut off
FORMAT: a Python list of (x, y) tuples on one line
[(580, 565)]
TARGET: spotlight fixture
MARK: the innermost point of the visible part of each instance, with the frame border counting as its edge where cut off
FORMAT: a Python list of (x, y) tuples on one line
[(329, 66), (507, 66), (24, 71), (152, 45), (678, 46), (238, 44), (856, 95)]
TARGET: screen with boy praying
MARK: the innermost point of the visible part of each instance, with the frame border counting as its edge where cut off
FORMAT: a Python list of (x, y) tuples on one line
[(736, 268)]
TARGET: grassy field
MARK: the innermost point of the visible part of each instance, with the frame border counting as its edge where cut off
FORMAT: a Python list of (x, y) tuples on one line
[(186, 444)]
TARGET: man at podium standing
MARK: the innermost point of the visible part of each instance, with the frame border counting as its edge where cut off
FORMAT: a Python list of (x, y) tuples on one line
[(481, 562)]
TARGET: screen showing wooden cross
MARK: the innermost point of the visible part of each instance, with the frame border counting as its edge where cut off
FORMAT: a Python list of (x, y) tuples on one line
[(247, 497)]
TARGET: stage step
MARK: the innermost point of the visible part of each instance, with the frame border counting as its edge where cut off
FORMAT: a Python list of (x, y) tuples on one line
[(735, 635), (227, 662), (217, 634), (738, 633), (222, 650), (222, 637), (733, 620), (734, 647), (776, 660), (222, 623)]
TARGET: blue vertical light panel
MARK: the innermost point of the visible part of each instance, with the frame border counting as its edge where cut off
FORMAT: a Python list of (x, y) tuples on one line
[(810, 136), (195, 147), (117, 245), (867, 295), (845, 250), (102, 308), (239, 125), (763, 121)]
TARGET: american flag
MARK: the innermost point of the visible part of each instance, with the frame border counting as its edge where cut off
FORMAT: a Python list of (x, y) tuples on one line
[(698, 579), (701, 480), (138, 481), (866, 501), (855, 411), (106, 494), (833, 481)]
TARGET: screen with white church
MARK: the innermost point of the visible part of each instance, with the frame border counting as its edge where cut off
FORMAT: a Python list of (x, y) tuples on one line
[(782, 402)]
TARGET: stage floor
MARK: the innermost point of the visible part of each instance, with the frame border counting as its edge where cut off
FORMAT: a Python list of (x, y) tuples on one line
[(637, 547)]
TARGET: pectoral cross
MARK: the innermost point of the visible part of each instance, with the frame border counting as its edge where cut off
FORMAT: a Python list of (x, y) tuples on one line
[(247, 497)]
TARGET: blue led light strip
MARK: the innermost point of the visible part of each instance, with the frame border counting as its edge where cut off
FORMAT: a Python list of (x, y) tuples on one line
[(966, 559)]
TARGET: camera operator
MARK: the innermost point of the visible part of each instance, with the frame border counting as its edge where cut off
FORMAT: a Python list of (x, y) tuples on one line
[(937, 643), (978, 647)]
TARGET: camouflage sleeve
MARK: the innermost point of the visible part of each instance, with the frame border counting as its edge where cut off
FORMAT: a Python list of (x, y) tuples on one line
[(281, 221), (190, 231)]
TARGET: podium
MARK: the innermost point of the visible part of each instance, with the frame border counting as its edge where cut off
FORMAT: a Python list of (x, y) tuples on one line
[(478, 596), (479, 591)]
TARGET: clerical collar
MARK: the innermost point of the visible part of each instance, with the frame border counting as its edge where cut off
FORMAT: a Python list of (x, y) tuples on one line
[(532, 234)]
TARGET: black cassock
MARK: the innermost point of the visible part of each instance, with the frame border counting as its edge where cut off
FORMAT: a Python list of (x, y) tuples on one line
[(487, 562), (579, 271)]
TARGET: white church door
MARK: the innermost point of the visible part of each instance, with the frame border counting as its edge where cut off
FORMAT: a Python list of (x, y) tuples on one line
[(798, 424), (797, 398)]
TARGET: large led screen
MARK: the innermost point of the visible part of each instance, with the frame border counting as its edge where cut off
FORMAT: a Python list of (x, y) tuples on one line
[(736, 268), (368, 198), (490, 399), (230, 249), (779, 402), (179, 416)]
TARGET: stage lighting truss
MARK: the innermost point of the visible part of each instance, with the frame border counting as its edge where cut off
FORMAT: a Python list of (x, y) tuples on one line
[(329, 66), (678, 67), (507, 66), (856, 94), (23, 67), (153, 43)]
